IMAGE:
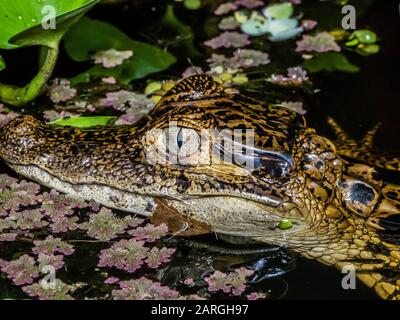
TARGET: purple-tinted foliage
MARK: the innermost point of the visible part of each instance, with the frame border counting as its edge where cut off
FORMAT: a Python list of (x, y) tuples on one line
[(6, 117), (249, 4), (60, 90), (189, 282), (229, 39), (123, 99), (55, 204), (150, 232), (56, 261), (320, 42), (28, 219), (191, 71), (52, 245), (61, 291), (104, 225), (225, 8), (295, 76), (125, 255), (22, 270), (242, 58), (8, 236), (229, 23), (61, 224), (156, 256), (309, 24), (143, 289), (233, 282), (111, 280), (256, 296)]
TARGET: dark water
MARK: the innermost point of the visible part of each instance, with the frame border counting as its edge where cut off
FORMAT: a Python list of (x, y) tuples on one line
[(356, 101)]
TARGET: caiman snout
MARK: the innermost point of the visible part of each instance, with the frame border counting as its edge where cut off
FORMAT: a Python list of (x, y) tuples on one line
[(18, 136)]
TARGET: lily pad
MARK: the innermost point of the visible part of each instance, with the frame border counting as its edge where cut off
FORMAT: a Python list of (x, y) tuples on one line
[(330, 61), (84, 122), (89, 36), (21, 21), (279, 11)]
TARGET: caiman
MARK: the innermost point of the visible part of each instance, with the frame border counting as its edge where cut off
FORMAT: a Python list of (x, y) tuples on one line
[(342, 212)]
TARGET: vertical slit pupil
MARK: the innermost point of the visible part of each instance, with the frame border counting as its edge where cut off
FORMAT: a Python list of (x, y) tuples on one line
[(179, 138)]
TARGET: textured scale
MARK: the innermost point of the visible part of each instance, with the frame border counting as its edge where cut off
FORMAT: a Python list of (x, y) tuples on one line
[(342, 212)]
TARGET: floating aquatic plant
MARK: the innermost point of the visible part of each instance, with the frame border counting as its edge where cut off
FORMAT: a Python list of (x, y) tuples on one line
[(320, 42), (55, 204), (56, 261), (111, 58), (6, 116), (150, 232), (364, 42), (256, 296), (233, 282), (125, 255), (309, 24), (21, 271), (61, 224), (143, 289), (104, 225), (242, 58), (111, 280), (229, 39), (123, 99), (295, 76), (60, 90), (51, 245), (191, 71), (28, 219), (10, 236), (18, 195), (274, 20), (229, 23), (80, 44), (226, 7), (156, 256), (61, 291)]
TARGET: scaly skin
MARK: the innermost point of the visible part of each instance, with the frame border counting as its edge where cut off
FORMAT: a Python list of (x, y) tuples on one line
[(342, 212)]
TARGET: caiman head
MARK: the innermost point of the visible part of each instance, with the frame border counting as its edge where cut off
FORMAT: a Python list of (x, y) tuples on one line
[(225, 163)]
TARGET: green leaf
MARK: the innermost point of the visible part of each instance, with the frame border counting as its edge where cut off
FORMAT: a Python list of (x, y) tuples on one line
[(330, 61), (21, 21), (364, 36), (83, 122), (279, 11), (80, 43), (192, 4), (2, 63)]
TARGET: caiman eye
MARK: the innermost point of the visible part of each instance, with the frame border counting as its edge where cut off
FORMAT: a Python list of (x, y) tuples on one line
[(181, 144), (272, 164)]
